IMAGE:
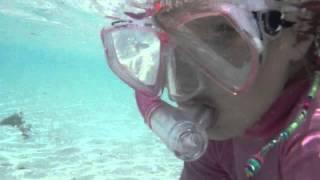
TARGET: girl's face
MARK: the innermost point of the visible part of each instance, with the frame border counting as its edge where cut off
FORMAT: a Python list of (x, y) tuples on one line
[(236, 113)]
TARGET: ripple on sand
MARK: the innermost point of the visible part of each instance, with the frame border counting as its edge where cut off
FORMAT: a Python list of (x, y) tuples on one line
[(34, 164), (68, 151), (85, 177), (35, 174)]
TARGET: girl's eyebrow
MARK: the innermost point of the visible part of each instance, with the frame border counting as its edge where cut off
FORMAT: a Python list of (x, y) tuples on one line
[(136, 15)]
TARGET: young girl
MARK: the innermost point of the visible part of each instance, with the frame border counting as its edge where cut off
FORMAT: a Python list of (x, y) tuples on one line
[(243, 75)]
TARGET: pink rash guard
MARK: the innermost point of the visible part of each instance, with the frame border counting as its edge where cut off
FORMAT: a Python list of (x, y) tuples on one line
[(296, 159)]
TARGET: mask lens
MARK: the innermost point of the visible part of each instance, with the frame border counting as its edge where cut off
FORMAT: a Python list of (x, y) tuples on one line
[(138, 53), (183, 80), (213, 43)]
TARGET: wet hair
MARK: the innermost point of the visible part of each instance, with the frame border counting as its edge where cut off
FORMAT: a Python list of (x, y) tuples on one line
[(308, 27)]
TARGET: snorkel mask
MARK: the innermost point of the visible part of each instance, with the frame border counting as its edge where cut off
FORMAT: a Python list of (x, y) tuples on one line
[(223, 38)]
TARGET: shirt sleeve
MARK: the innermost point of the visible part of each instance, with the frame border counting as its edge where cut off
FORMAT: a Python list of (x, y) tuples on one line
[(205, 168), (301, 159)]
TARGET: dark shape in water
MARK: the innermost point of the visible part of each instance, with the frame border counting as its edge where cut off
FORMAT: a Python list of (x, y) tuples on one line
[(16, 120)]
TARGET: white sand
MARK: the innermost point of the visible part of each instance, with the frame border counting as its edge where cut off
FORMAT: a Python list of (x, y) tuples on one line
[(57, 153)]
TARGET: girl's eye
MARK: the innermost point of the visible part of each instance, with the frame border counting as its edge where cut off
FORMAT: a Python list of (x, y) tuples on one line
[(223, 28)]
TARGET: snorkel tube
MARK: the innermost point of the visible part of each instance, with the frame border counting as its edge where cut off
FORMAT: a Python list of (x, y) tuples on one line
[(183, 131)]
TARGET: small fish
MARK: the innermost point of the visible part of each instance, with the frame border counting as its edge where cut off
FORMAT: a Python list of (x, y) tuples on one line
[(16, 120)]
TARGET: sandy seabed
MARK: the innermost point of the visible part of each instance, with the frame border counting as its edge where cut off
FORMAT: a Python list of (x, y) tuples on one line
[(56, 156), (80, 138)]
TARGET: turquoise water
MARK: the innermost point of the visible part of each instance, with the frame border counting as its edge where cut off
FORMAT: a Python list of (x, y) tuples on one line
[(85, 124)]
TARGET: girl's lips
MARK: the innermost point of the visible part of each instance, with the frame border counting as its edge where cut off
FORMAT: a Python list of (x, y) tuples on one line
[(203, 109), (210, 116)]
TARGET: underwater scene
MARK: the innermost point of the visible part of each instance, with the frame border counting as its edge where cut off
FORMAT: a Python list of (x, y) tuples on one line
[(63, 114)]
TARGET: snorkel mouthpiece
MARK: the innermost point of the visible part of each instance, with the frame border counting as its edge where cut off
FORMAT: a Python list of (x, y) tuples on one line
[(182, 133), (186, 138)]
